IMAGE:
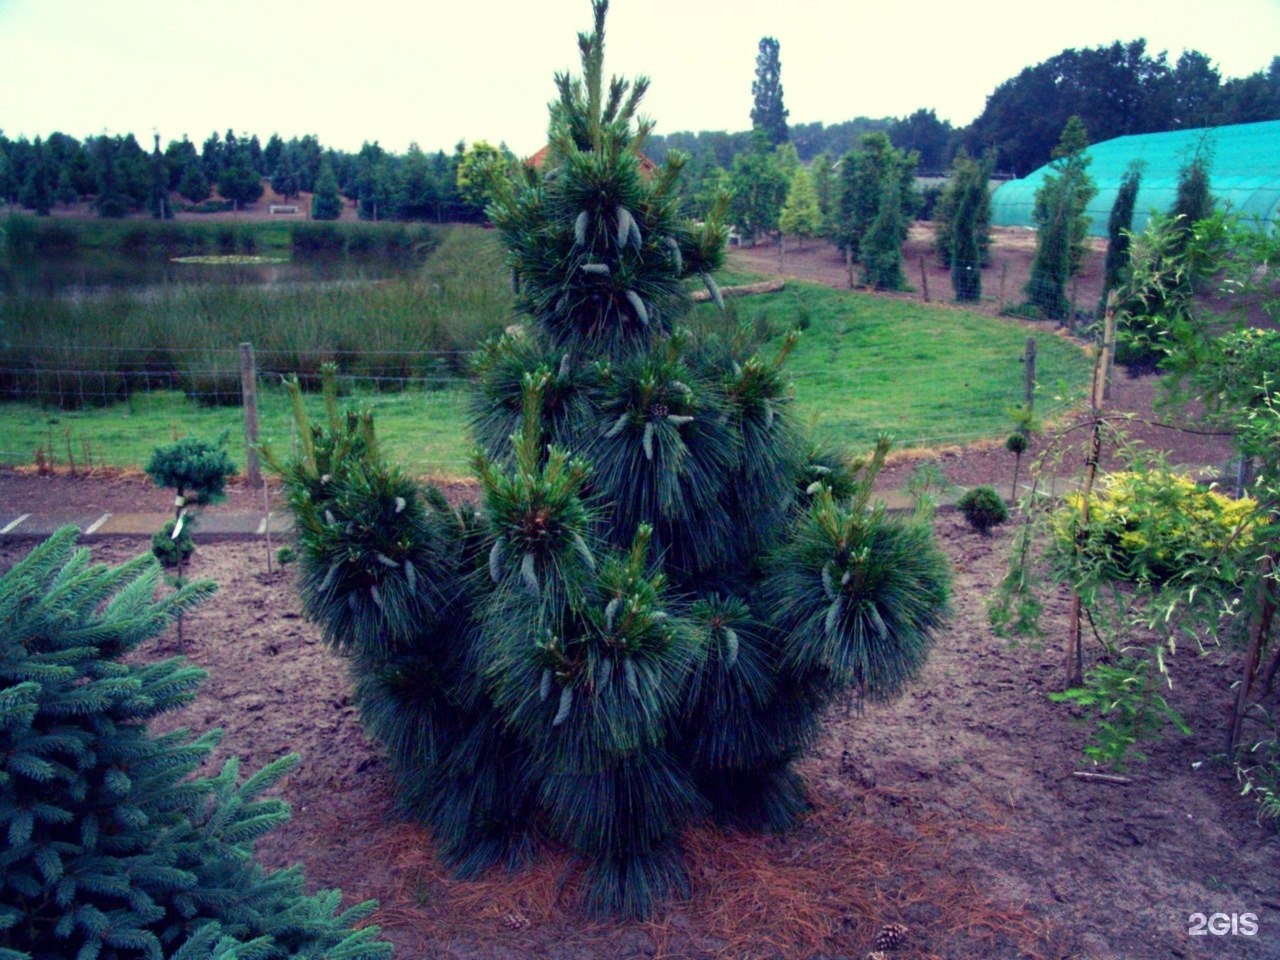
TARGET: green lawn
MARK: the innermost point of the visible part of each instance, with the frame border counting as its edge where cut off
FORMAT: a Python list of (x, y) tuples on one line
[(926, 374)]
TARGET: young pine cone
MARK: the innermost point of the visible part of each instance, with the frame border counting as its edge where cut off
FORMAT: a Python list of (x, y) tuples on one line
[(891, 936), (515, 921)]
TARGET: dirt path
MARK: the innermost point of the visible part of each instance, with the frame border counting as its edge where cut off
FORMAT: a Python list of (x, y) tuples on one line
[(953, 810)]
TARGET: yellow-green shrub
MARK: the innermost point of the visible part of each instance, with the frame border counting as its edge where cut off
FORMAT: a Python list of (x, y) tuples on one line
[(1147, 526)]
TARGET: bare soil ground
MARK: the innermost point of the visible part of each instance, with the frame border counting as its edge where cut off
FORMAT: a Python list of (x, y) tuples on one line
[(953, 810)]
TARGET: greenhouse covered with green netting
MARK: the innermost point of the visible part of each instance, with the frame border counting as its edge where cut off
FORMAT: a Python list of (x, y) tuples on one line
[(1244, 175)]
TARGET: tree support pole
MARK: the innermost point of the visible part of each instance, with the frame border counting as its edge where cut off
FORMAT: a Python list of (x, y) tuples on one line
[(249, 395)]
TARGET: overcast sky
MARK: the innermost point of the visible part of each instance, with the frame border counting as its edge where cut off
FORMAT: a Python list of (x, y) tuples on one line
[(437, 71)]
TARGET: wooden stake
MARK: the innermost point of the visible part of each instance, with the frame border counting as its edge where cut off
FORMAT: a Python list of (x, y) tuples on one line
[(1108, 344), (924, 280), (1075, 646), (249, 395), (1004, 272), (1259, 631), (1099, 777)]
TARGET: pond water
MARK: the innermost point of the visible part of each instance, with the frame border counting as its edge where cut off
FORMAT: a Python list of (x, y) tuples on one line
[(95, 273)]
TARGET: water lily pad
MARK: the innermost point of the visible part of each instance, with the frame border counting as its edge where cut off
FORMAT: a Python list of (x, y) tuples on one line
[(227, 259)]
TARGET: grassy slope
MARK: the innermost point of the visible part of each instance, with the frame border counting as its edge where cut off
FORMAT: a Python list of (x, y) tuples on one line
[(926, 374)]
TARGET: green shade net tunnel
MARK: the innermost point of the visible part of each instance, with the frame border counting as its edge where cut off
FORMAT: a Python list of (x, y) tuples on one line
[(1244, 175)]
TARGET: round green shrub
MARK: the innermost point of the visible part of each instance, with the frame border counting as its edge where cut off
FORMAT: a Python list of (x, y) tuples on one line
[(171, 551), (1016, 444), (983, 508)]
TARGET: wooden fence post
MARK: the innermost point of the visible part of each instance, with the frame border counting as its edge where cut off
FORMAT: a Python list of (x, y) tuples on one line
[(249, 396), (1029, 374), (924, 280), (1004, 272)]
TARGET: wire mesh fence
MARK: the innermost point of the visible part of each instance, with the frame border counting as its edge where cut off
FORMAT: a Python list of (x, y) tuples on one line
[(113, 407)]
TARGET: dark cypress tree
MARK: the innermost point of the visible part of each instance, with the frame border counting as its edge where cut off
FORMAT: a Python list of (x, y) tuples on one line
[(864, 176), (193, 186), (325, 202), (767, 111), (1147, 317), (1194, 201), (37, 189), (663, 588), (239, 181), (882, 246), (1060, 224), (111, 847), (1119, 226), (967, 174), (969, 201), (111, 199)]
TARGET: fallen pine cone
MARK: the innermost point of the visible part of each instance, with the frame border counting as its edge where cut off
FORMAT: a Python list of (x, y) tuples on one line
[(891, 936), (515, 921)]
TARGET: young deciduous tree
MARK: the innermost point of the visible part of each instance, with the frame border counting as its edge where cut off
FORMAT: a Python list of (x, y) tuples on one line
[(759, 188), (662, 588), (800, 214), (822, 172)]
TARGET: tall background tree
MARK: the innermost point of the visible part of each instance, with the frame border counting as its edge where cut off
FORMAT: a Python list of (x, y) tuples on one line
[(767, 111)]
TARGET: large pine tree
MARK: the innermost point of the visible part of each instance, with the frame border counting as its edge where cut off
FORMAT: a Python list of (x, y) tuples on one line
[(664, 584)]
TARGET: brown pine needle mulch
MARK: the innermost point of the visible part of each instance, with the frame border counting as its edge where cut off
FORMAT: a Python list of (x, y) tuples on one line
[(828, 886)]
